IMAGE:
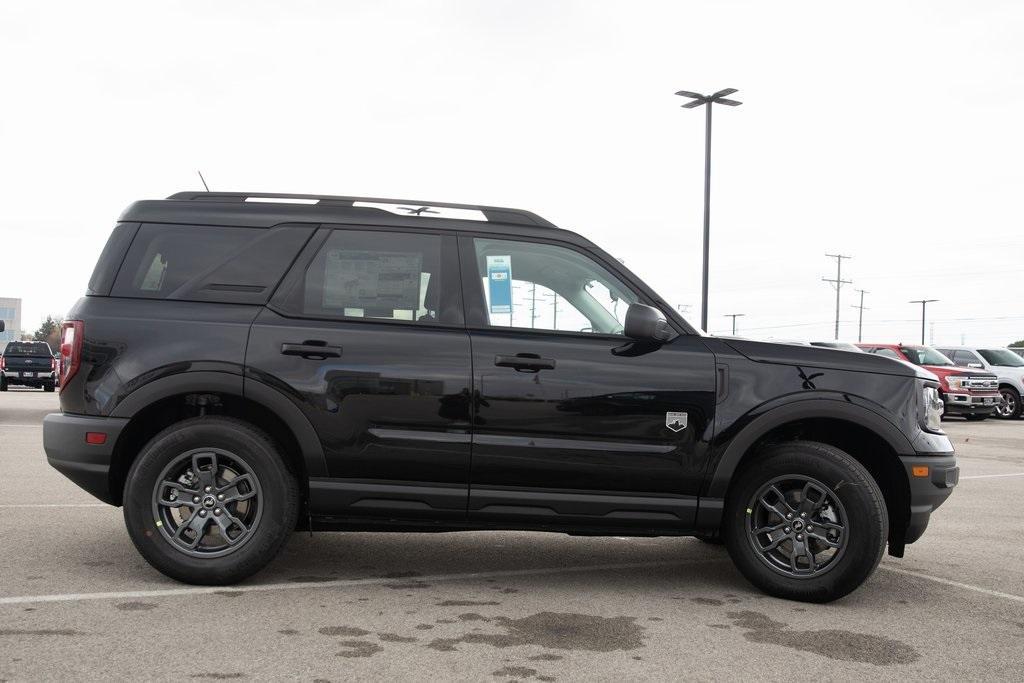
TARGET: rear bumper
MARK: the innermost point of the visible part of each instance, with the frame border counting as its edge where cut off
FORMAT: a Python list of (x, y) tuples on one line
[(88, 465), (930, 491), (14, 377)]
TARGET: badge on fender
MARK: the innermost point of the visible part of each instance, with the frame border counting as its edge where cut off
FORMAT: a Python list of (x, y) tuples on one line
[(675, 421)]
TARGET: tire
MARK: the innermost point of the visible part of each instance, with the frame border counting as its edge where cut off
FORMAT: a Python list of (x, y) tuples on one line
[(713, 538), (975, 418), (49, 388), (216, 447), (1011, 401), (3, 385), (853, 501)]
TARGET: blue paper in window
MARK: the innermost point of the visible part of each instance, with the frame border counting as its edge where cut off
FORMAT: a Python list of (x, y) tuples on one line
[(499, 283)]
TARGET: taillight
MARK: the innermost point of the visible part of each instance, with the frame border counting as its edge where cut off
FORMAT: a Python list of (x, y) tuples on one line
[(53, 364), (70, 350), (3, 363)]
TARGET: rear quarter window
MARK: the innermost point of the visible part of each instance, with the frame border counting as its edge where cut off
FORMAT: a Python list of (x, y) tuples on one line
[(208, 263)]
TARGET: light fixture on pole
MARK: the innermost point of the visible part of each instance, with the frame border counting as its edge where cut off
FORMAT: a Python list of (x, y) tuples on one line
[(697, 100)]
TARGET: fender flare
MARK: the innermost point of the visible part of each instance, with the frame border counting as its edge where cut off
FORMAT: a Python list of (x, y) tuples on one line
[(805, 408), (246, 388)]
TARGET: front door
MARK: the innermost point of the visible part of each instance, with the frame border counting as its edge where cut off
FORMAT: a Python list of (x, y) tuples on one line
[(366, 336), (574, 422)]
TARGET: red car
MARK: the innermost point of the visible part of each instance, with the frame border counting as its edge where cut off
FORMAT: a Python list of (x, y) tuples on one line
[(964, 391)]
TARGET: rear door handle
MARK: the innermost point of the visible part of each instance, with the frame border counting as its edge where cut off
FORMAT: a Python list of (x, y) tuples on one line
[(525, 362), (311, 349)]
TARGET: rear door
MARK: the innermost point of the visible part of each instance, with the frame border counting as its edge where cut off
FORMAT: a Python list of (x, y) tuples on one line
[(575, 423), (366, 337)]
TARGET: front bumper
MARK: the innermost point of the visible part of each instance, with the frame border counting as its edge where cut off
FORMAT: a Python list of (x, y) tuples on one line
[(928, 490), (971, 404), (88, 465)]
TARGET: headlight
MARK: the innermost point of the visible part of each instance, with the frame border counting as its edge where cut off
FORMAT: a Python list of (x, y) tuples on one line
[(933, 409), (955, 382)]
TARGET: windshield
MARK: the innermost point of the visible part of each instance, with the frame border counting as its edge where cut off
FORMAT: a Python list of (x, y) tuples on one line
[(924, 355), (1002, 357), (27, 349)]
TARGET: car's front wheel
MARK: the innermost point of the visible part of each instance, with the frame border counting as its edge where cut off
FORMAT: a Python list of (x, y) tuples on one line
[(805, 521), (210, 501), (1009, 408), (976, 418)]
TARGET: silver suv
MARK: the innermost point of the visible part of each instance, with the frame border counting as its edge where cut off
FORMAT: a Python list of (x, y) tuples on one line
[(1002, 362)]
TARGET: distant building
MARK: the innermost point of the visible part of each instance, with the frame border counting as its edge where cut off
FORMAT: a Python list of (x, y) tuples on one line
[(10, 313)]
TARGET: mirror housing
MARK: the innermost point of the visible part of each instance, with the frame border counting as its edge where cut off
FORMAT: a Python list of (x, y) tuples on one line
[(1, 325), (646, 323)]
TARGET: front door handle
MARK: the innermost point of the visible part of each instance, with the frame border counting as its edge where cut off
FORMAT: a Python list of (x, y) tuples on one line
[(525, 362), (311, 349)]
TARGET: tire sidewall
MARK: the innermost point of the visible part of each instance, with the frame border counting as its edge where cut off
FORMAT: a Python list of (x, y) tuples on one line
[(279, 504), (862, 500)]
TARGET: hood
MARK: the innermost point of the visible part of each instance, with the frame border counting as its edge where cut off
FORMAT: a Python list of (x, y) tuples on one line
[(823, 357), (947, 370)]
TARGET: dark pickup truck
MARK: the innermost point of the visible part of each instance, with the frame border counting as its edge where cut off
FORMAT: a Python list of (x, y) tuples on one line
[(245, 365), (29, 364)]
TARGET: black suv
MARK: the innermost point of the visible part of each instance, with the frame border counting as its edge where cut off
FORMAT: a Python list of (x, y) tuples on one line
[(245, 365)]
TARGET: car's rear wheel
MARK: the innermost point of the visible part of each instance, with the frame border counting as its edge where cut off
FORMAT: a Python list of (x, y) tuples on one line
[(3, 385), (210, 501), (1009, 408), (976, 418), (49, 387), (805, 521)]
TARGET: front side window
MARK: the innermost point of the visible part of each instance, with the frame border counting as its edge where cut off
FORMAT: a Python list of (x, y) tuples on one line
[(546, 287), (378, 275), (1003, 357)]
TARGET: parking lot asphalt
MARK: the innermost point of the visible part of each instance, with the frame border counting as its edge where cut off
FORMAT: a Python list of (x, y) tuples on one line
[(78, 602)]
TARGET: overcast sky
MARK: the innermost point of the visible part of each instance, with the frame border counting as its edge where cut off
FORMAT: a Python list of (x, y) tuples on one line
[(892, 132)]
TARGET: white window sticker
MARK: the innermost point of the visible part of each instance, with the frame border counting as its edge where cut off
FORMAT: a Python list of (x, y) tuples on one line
[(372, 280)]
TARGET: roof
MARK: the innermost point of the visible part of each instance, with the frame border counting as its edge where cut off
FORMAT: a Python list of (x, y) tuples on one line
[(259, 209)]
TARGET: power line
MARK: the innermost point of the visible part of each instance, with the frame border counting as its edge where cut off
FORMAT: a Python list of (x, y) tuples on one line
[(838, 283)]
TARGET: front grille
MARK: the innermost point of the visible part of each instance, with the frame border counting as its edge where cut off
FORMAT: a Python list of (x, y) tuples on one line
[(981, 383)]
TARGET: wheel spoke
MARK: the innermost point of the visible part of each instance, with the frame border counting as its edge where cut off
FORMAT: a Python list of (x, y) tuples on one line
[(781, 497), (239, 494), (824, 539), (207, 477), (770, 528), (806, 505), (774, 544), (184, 495), (198, 524), (809, 554), (226, 522)]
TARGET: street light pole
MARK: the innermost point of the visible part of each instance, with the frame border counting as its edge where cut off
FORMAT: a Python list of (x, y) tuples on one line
[(860, 315), (734, 316), (708, 100), (923, 302)]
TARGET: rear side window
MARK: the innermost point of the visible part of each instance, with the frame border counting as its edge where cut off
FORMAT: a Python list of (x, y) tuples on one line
[(375, 275), (208, 263)]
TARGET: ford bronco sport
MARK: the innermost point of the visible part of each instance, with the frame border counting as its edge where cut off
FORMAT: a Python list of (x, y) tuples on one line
[(246, 365)]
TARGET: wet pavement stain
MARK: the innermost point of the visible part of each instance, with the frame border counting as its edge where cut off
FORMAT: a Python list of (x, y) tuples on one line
[(288, 632), (831, 643), (556, 631), (515, 672), (447, 621), (472, 616), (41, 632), (229, 594), (546, 679), (466, 603), (312, 579), (424, 627), (407, 586), (546, 657), (399, 575), (218, 676), (395, 638), (135, 606), (358, 648), (342, 631), (707, 601)]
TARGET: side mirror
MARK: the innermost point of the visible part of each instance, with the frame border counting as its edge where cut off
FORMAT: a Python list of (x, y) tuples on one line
[(976, 365), (646, 323), (1, 325)]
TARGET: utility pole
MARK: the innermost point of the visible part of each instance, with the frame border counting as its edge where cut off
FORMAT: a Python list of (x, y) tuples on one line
[(860, 316), (698, 100), (838, 283), (734, 316), (533, 305), (923, 302)]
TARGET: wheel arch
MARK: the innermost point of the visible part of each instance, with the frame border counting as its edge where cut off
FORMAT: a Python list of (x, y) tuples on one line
[(161, 403), (862, 433)]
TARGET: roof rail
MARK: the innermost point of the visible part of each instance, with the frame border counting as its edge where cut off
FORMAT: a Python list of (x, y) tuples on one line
[(494, 214)]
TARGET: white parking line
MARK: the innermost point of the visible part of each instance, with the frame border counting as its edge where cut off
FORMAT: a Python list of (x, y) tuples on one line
[(949, 582), (55, 505), (21, 426), (346, 583), (993, 476)]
